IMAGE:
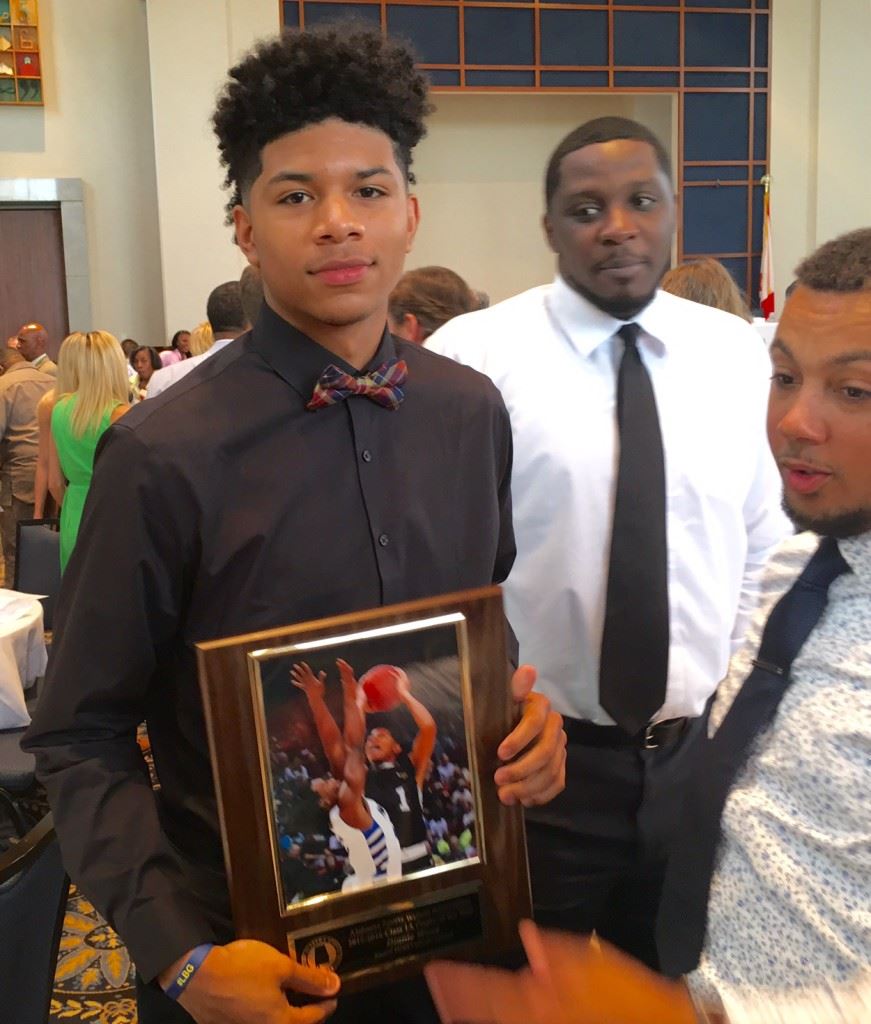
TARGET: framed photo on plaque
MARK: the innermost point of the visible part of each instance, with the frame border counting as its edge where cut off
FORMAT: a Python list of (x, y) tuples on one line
[(353, 760)]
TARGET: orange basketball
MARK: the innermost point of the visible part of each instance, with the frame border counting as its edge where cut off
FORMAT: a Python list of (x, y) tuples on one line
[(380, 686)]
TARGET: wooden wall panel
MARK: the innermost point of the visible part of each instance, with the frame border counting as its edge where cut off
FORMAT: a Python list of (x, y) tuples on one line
[(32, 273)]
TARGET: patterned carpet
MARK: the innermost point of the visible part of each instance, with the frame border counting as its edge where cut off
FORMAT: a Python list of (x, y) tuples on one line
[(94, 978), (94, 981)]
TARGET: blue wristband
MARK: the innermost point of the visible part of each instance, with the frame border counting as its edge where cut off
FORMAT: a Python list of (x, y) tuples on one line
[(188, 969)]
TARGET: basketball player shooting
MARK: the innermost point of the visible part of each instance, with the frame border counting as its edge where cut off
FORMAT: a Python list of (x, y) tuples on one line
[(395, 779), (361, 825)]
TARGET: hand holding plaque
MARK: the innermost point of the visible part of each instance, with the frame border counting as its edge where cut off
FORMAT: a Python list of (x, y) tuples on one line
[(359, 763), (245, 980), (538, 743)]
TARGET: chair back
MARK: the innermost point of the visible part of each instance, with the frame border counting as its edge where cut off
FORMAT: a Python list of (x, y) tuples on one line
[(17, 766), (33, 896), (37, 562)]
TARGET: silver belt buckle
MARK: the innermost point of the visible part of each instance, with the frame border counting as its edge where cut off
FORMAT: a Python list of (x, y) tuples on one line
[(650, 742)]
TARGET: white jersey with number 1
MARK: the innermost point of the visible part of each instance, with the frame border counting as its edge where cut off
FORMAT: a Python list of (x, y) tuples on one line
[(374, 855)]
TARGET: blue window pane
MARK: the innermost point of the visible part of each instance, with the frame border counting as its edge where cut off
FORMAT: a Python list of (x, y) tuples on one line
[(762, 4), (433, 31), (717, 40), (761, 55), (660, 79), (645, 40), (499, 36), (717, 79), (715, 219), (714, 172), (440, 76), (515, 78), (290, 14), (737, 267), (322, 14), (761, 79), (574, 37), (716, 126), (563, 79), (760, 126)]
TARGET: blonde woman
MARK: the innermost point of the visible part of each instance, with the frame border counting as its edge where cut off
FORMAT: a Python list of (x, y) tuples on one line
[(43, 505), (202, 338), (91, 394)]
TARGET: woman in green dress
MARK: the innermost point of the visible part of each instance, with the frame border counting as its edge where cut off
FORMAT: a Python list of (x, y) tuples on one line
[(91, 394)]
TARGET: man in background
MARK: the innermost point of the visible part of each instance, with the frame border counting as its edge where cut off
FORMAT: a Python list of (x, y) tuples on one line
[(251, 294), (21, 388), (640, 534), (33, 344), (425, 299), (227, 320)]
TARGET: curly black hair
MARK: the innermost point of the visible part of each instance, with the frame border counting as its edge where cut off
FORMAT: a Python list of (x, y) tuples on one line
[(346, 70)]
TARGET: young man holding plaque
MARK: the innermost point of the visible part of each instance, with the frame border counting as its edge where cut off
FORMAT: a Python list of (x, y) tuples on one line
[(326, 468)]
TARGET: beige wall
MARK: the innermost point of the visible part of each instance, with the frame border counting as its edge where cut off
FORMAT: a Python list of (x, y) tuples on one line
[(197, 251), (844, 117), (820, 140), (96, 125), (793, 149)]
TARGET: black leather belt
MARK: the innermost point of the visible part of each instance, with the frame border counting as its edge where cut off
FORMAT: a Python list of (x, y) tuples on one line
[(658, 734)]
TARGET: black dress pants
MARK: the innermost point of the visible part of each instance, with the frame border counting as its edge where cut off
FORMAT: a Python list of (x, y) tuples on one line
[(597, 853)]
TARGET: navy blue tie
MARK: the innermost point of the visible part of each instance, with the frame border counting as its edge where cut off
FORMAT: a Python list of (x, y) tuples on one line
[(680, 929)]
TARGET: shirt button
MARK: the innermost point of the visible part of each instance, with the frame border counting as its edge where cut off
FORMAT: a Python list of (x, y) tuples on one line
[(383, 540), (366, 455)]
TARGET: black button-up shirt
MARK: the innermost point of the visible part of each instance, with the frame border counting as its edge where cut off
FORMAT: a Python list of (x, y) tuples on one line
[(220, 508)]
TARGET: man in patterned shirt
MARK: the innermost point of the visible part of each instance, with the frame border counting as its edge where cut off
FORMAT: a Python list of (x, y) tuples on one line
[(788, 935)]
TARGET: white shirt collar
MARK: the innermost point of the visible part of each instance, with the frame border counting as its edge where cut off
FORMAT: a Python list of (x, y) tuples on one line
[(586, 326)]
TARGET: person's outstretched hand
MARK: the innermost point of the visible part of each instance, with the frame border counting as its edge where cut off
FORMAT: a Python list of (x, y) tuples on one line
[(571, 979)]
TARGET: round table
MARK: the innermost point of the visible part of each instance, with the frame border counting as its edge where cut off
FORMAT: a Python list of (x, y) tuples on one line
[(23, 655)]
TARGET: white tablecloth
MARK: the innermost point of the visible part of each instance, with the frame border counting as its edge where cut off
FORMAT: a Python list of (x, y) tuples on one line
[(23, 655)]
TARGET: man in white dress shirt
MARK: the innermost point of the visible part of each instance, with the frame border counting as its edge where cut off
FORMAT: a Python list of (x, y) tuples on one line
[(227, 319), (555, 354)]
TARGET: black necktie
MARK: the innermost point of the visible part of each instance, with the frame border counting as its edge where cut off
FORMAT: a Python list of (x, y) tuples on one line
[(680, 929), (634, 656)]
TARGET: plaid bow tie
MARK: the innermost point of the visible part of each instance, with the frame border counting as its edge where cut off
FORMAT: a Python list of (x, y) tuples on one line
[(383, 385)]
